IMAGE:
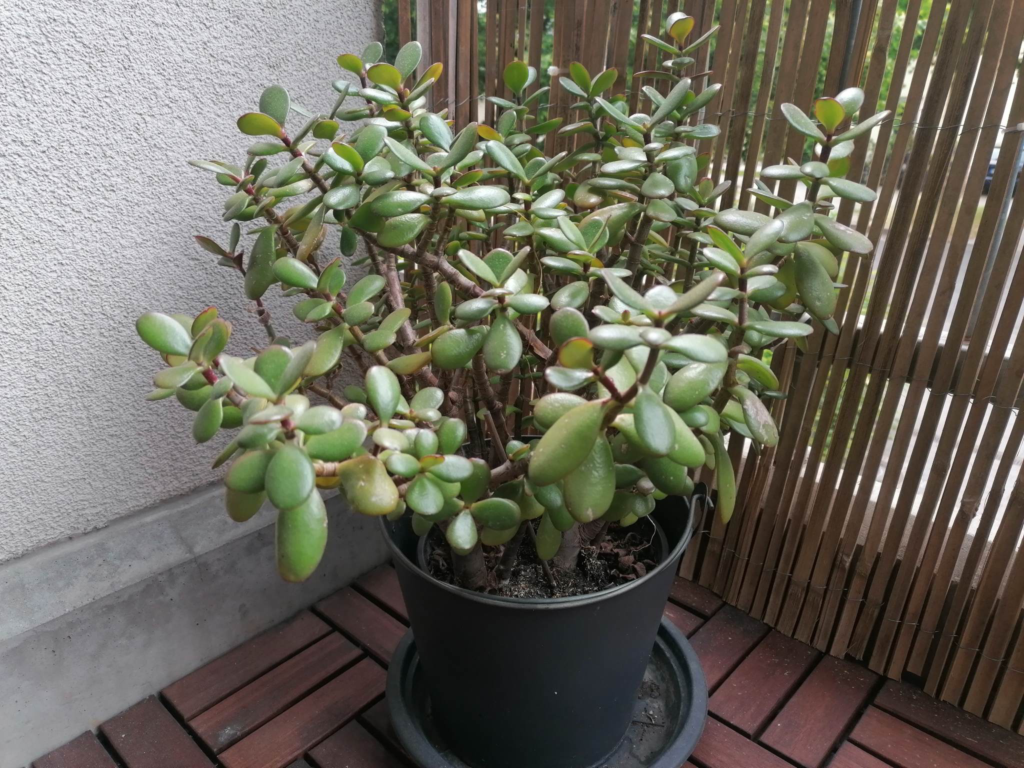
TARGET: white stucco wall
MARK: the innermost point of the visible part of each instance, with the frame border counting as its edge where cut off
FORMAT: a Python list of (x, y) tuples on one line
[(101, 103)]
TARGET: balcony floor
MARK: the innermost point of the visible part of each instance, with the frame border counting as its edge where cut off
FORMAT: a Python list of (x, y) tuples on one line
[(310, 694)]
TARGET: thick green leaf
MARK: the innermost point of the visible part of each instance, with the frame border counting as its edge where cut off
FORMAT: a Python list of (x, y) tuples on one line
[(409, 58), (456, 348), (274, 102), (478, 198), (366, 289), (549, 538), (830, 113), (756, 417), (424, 496), (497, 513), (725, 479), (589, 488), (672, 101), (528, 303), (338, 444), (247, 473), (208, 420), (461, 533), (692, 383), (259, 272), (258, 124), (801, 122), (290, 478), (815, 285), (477, 266), (654, 425), (851, 100), (368, 486), (461, 147), (783, 329), (242, 506), (516, 76), (294, 273), (503, 346), (408, 156), (402, 230), (163, 333), (864, 126), (851, 190), (301, 538), (246, 379), (567, 443), (841, 236), (503, 156), (436, 130), (383, 391)]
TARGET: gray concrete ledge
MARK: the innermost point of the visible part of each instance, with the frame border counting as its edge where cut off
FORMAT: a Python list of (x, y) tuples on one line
[(91, 625)]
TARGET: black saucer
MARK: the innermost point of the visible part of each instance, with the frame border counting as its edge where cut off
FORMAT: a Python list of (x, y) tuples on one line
[(671, 707)]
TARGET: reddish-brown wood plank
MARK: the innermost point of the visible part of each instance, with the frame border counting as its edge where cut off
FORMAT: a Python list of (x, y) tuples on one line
[(820, 712), (246, 710), (763, 682), (309, 722), (722, 747), (852, 756), (382, 585), (905, 746), (724, 641), (377, 720), (360, 619), (147, 736), (223, 676), (687, 622), (353, 747), (971, 734), (696, 598), (82, 752)]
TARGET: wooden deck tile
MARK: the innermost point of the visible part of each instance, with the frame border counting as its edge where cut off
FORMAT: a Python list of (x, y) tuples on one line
[(687, 622), (148, 736), (964, 730), (696, 598), (852, 756), (217, 680), (724, 641), (722, 747), (297, 729), (382, 585), (759, 687), (82, 752), (820, 712), (246, 710), (904, 746), (353, 747), (360, 619)]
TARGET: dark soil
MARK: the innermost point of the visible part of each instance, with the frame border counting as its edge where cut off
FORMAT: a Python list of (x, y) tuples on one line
[(625, 555)]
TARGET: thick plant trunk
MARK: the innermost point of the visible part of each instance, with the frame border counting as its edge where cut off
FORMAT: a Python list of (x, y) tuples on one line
[(511, 554), (470, 570), (569, 551)]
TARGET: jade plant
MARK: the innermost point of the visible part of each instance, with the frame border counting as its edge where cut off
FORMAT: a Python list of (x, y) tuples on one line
[(546, 344)]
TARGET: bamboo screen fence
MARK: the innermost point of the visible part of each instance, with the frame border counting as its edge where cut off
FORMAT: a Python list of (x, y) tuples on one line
[(887, 523)]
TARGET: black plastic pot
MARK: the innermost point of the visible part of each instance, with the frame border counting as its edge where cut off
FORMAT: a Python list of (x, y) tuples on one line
[(536, 683)]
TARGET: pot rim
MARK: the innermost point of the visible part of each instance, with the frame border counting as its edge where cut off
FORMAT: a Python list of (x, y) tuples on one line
[(550, 603)]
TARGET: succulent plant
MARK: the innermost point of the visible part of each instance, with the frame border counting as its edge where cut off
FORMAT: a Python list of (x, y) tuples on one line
[(547, 345)]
